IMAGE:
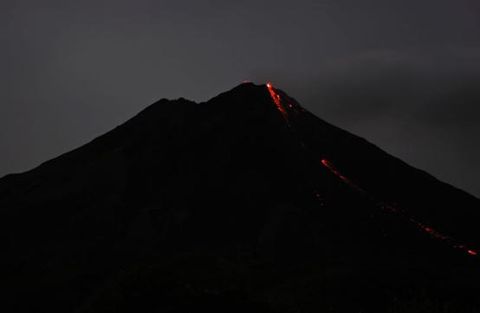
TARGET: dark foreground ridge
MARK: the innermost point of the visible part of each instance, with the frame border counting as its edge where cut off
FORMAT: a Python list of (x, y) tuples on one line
[(244, 203)]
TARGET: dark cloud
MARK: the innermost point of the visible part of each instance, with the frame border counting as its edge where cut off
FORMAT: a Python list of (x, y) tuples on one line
[(404, 74)]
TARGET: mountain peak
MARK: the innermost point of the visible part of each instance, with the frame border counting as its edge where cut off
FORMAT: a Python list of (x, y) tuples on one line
[(244, 201)]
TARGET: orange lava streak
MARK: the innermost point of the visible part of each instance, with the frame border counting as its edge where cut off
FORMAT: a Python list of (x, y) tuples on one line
[(347, 181), (395, 209), (277, 100), (330, 166)]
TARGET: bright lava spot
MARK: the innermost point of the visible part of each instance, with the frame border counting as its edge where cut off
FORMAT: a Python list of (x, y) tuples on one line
[(472, 252)]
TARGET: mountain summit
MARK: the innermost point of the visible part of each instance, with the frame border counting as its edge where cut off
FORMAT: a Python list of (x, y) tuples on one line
[(244, 203)]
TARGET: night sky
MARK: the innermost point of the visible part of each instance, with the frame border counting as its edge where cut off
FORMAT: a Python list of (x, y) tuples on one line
[(403, 74)]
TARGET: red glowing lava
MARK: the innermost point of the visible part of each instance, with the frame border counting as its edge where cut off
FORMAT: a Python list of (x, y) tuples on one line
[(399, 211), (277, 100), (332, 169), (389, 207)]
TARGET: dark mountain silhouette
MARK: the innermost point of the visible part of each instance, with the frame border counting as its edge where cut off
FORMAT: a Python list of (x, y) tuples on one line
[(244, 203)]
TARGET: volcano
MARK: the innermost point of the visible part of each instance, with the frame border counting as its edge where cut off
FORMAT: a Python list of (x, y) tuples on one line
[(244, 203)]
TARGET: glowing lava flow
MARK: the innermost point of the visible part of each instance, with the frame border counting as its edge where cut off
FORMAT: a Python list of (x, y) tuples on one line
[(397, 210), (392, 208), (332, 169), (277, 100)]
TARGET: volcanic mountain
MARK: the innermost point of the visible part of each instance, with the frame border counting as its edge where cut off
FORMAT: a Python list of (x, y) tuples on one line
[(244, 203)]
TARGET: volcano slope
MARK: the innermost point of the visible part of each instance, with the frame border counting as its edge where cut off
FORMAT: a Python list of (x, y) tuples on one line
[(244, 203)]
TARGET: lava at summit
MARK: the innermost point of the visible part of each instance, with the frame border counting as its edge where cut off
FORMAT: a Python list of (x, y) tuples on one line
[(227, 205)]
